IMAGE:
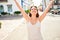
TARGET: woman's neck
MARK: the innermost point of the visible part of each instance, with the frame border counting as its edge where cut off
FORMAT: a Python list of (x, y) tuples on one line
[(33, 15)]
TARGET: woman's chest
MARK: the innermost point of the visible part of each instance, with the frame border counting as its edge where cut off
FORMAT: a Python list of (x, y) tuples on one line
[(37, 24), (33, 20)]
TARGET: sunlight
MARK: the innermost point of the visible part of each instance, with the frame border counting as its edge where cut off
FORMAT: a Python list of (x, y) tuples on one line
[(37, 2)]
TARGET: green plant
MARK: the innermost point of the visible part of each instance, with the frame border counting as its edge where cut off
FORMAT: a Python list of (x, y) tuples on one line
[(27, 11), (8, 13), (4, 13), (17, 12)]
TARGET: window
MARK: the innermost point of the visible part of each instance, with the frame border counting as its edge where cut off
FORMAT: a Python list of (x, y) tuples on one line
[(1, 8), (9, 8)]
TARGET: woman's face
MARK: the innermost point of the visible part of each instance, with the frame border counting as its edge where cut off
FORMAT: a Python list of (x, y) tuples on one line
[(33, 10)]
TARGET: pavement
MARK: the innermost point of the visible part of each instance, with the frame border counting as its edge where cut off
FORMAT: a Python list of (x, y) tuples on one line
[(50, 27), (17, 29), (9, 23)]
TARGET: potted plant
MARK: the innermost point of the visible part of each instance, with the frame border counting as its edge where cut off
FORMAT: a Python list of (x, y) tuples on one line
[(27, 11), (17, 12), (4, 13)]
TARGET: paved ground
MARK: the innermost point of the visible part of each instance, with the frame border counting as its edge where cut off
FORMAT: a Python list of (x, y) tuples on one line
[(9, 23), (50, 29), (10, 17)]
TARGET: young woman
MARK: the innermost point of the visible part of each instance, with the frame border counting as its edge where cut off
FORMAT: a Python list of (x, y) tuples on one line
[(34, 20)]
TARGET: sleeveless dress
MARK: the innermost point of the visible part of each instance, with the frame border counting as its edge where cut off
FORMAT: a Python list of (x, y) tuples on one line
[(34, 31)]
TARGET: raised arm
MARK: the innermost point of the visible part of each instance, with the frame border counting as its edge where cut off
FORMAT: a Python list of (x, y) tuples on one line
[(46, 10), (22, 11)]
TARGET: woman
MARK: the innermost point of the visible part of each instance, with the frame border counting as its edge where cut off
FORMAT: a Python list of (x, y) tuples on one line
[(34, 20)]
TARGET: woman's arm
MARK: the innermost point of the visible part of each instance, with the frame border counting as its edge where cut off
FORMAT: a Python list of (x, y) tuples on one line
[(46, 10), (22, 11)]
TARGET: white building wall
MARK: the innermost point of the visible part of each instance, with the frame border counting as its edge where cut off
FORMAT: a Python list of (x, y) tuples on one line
[(14, 7), (5, 8), (10, 2)]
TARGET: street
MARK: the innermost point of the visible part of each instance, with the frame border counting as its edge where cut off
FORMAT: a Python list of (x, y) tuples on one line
[(17, 30)]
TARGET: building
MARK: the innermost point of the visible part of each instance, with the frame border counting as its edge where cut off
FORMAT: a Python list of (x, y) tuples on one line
[(7, 6), (55, 9), (56, 5), (10, 6)]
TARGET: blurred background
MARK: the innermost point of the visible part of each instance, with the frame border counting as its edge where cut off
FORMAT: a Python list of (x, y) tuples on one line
[(13, 25)]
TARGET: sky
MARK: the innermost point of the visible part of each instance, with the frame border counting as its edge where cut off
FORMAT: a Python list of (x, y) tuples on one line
[(37, 2)]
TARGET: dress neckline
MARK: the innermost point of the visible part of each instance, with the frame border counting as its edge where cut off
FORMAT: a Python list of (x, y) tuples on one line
[(35, 23)]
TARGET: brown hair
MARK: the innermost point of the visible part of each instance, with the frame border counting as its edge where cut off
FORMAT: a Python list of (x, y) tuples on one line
[(37, 15)]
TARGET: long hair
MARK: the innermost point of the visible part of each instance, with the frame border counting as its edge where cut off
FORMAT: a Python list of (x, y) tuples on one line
[(37, 15)]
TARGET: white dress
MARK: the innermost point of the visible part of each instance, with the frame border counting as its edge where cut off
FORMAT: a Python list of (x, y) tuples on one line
[(34, 31)]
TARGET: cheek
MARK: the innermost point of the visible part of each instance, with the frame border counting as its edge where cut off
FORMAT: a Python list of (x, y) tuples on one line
[(36, 11)]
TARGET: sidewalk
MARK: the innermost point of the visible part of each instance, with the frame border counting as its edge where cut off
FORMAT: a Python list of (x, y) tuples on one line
[(8, 26), (50, 29), (20, 33)]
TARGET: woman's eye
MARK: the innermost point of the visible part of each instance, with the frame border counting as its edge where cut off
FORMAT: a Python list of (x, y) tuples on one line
[(33, 9)]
